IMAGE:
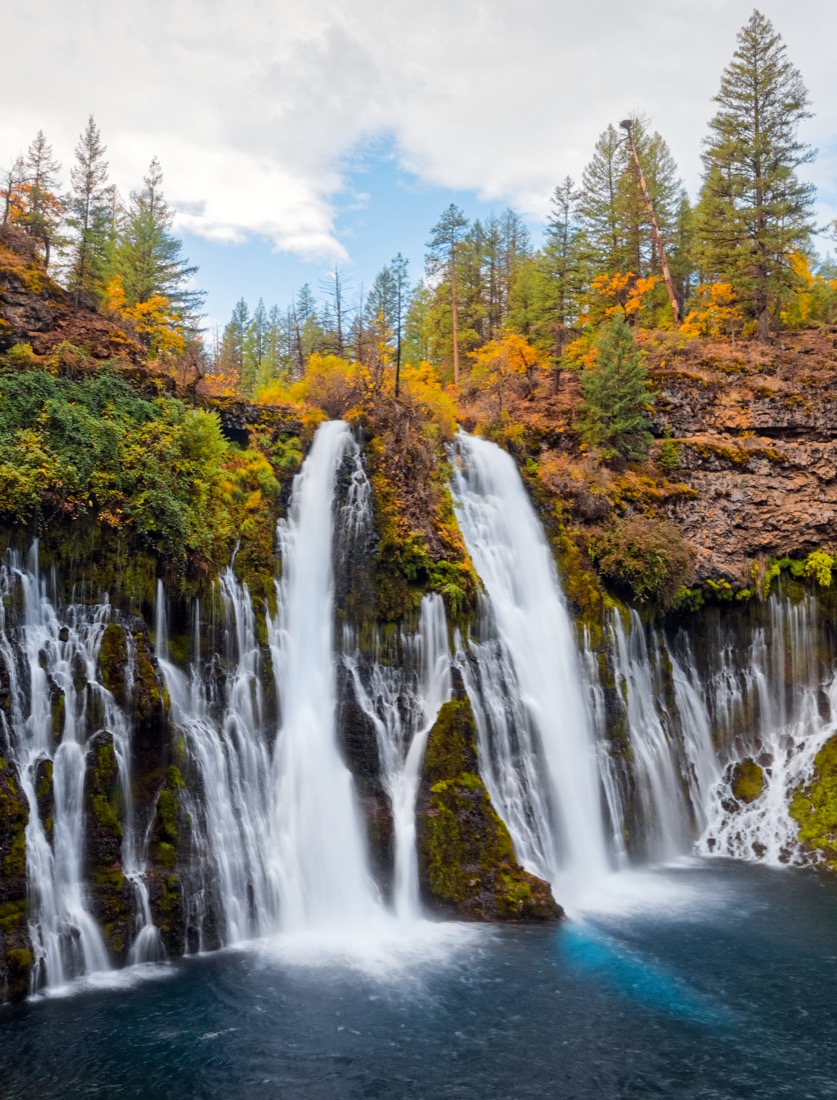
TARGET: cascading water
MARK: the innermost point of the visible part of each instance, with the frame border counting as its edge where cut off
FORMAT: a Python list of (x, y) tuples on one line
[(227, 740), (52, 670), (402, 702), (767, 701), (318, 849), (777, 710), (511, 555), (587, 756), (656, 773)]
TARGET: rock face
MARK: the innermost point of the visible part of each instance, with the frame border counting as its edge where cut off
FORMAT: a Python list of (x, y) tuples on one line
[(814, 808), (467, 864), (34, 310), (15, 948), (110, 892), (756, 432)]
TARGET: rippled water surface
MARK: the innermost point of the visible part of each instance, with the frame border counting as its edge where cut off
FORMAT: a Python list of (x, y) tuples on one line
[(709, 980)]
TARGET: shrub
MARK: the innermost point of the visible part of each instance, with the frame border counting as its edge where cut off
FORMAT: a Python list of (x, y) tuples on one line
[(648, 558)]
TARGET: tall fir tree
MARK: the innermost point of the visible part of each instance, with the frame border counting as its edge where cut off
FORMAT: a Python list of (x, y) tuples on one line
[(254, 350), (754, 211), (561, 274), (444, 248), (231, 355), (149, 257), (613, 211), (89, 217), (42, 208)]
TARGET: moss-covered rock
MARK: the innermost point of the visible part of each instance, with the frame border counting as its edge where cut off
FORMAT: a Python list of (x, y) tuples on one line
[(111, 895), (15, 947), (467, 863), (113, 661), (814, 807), (171, 835), (58, 712), (45, 795), (149, 709), (747, 781)]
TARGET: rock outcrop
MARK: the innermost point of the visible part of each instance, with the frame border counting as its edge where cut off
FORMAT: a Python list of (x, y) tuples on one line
[(467, 864), (35, 310), (755, 430)]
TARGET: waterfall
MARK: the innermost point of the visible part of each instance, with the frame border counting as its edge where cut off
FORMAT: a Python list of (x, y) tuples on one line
[(760, 695), (402, 700), (777, 708), (656, 761), (56, 705), (537, 648), (318, 846), (226, 739)]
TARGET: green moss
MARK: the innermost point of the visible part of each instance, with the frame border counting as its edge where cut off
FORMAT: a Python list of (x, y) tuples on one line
[(109, 880), (58, 713), (43, 788), (169, 894), (13, 915), (814, 806), (19, 963), (466, 856), (166, 829), (747, 781), (113, 660), (150, 693), (103, 793), (14, 817)]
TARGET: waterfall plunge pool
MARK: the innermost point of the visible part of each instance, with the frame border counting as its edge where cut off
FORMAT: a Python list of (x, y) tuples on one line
[(710, 979)]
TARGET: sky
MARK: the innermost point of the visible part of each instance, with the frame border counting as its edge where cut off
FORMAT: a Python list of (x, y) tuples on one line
[(295, 137)]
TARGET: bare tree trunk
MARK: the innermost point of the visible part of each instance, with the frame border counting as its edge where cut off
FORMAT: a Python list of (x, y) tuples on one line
[(675, 308), (455, 319)]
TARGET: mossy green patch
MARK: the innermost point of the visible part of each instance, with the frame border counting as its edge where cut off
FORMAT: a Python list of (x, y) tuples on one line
[(747, 781), (113, 660), (466, 857), (814, 806), (166, 828)]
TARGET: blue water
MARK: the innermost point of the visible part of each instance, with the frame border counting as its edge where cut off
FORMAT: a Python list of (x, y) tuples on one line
[(718, 981)]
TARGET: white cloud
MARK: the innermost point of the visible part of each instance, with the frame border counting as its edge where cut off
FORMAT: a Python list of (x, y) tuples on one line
[(254, 107)]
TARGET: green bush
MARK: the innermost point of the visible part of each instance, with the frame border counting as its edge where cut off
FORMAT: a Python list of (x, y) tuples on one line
[(159, 468), (648, 558)]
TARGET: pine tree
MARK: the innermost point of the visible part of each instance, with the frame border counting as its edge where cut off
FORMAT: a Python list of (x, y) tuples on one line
[(149, 257), (401, 301), (231, 357), (254, 349), (444, 248), (615, 395), (89, 216), (42, 209), (754, 212), (14, 179), (600, 203), (613, 211), (561, 273)]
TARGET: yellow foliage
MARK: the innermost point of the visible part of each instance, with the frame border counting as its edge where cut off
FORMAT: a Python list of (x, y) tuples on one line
[(158, 326), (113, 300), (424, 387), (717, 312), (582, 351), (332, 384), (620, 293), (815, 298), (499, 362)]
